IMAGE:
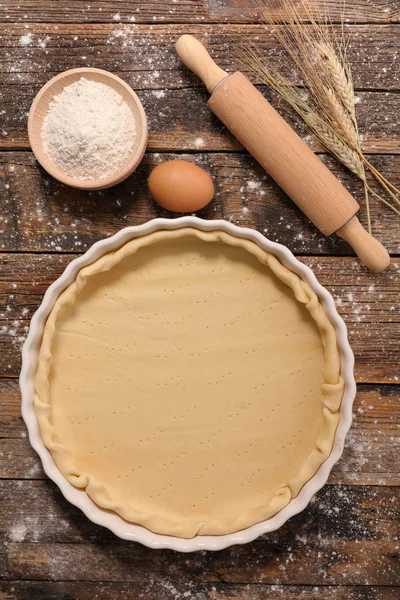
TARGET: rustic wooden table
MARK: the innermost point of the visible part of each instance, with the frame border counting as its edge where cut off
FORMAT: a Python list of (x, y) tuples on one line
[(343, 547)]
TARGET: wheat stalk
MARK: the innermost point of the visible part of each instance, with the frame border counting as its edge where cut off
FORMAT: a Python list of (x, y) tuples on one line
[(338, 73), (330, 110)]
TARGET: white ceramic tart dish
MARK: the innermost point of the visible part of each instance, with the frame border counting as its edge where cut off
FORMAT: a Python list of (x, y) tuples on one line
[(188, 384)]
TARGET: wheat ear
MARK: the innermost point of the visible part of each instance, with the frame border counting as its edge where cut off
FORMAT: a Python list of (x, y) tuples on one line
[(337, 75), (337, 146), (340, 118)]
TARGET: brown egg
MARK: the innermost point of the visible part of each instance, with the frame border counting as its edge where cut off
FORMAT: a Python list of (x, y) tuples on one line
[(181, 186)]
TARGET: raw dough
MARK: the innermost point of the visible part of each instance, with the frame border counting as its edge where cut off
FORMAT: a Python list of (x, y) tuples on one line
[(190, 382)]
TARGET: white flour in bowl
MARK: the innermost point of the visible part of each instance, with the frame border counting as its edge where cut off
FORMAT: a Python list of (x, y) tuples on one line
[(89, 130)]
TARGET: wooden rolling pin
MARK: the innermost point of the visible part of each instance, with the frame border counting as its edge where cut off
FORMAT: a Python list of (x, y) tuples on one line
[(276, 146)]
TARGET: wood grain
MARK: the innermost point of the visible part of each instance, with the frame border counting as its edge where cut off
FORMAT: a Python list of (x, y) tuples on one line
[(180, 11), (154, 590), (355, 10), (313, 548), (369, 456), (145, 54), (37, 214)]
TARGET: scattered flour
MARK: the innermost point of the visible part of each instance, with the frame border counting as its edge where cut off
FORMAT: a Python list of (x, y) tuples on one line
[(158, 94), (199, 143), (18, 532), (26, 40), (35, 470), (43, 43), (252, 185)]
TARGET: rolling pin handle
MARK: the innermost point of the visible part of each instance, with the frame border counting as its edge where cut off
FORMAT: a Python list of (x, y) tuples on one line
[(369, 250), (194, 55)]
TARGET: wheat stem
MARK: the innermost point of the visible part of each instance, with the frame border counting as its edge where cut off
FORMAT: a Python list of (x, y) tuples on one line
[(380, 177), (371, 191), (368, 211), (376, 174)]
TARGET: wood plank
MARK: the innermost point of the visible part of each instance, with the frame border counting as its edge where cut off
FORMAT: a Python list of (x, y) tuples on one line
[(18, 460), (39, 214), (145, 55), (180, 11), (172, 127), (354, 11), (156, 69), (370, 454), (72, 11), (368, 302), (164, 590), (47, 538)]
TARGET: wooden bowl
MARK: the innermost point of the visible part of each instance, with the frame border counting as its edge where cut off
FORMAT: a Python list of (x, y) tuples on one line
[(40, 107)]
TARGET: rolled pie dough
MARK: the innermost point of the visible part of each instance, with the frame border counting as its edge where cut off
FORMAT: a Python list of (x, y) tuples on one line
[(189, 382)]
